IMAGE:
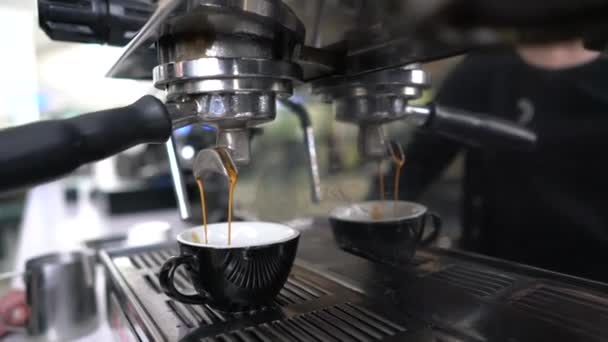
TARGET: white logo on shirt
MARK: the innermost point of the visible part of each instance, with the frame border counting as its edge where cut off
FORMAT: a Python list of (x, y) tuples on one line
[(526, 108)]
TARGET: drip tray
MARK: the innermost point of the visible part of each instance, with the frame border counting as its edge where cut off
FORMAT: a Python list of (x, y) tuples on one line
[(310, 307)]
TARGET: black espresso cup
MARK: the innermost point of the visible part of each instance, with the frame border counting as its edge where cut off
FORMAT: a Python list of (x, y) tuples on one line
[(384, 231), (245, 275)]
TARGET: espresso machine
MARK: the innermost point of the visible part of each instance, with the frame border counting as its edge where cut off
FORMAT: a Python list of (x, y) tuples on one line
[(226, 64)]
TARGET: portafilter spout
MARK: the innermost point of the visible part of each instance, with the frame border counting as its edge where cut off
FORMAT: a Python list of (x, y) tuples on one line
[(214, 160)]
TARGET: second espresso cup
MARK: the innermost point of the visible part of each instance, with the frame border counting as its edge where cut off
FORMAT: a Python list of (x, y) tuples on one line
[(384, 231), (245, 275)]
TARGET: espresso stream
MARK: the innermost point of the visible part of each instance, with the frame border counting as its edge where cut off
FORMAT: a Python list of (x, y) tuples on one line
[(381, 179), (201, 190), (377, 212), (232, 179), (399, 162)]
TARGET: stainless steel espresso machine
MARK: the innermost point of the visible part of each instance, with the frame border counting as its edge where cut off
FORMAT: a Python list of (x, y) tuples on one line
[(226, 63)]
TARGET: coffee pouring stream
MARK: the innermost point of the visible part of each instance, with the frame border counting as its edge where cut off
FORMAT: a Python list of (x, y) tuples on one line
[(216, 160)]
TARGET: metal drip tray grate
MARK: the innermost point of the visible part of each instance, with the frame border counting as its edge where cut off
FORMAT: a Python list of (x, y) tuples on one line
[(569, 307), (309, 308), (295, 292), (481, 283), (346, 322)]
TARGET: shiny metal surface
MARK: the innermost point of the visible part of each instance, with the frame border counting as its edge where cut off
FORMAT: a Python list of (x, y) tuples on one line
[(183, 113), (418, 115), (372, 141), (224, 63), (372, 100), (235, 110), (309, 301), (377, 82), (61, 296), (178, 17), (179, 184), (274, 10), (213, 68), (230, 67), (362, 36), (237, 142), (139, 320), (137, 48), (213, 160), (311, 147), (313, 164), (367, 36), (442, 295), (188, 91)]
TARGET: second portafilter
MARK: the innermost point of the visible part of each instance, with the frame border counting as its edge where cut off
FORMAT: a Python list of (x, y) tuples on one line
[(371, 101), (375, 99)]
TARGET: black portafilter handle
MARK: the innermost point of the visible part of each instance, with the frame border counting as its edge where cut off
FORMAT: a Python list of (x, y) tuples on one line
[(473, 129), (41, 151)]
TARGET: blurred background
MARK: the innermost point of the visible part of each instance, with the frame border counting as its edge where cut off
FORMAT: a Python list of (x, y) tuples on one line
[(45, 79)]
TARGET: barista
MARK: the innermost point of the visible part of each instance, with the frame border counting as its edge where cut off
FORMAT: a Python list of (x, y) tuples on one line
[(549, 207)]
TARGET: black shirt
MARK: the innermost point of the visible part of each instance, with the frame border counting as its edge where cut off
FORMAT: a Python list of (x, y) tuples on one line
[(549, 207)]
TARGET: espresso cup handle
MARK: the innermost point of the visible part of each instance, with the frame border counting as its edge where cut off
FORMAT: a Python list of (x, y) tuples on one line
[(436, 226), (167, 274)]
